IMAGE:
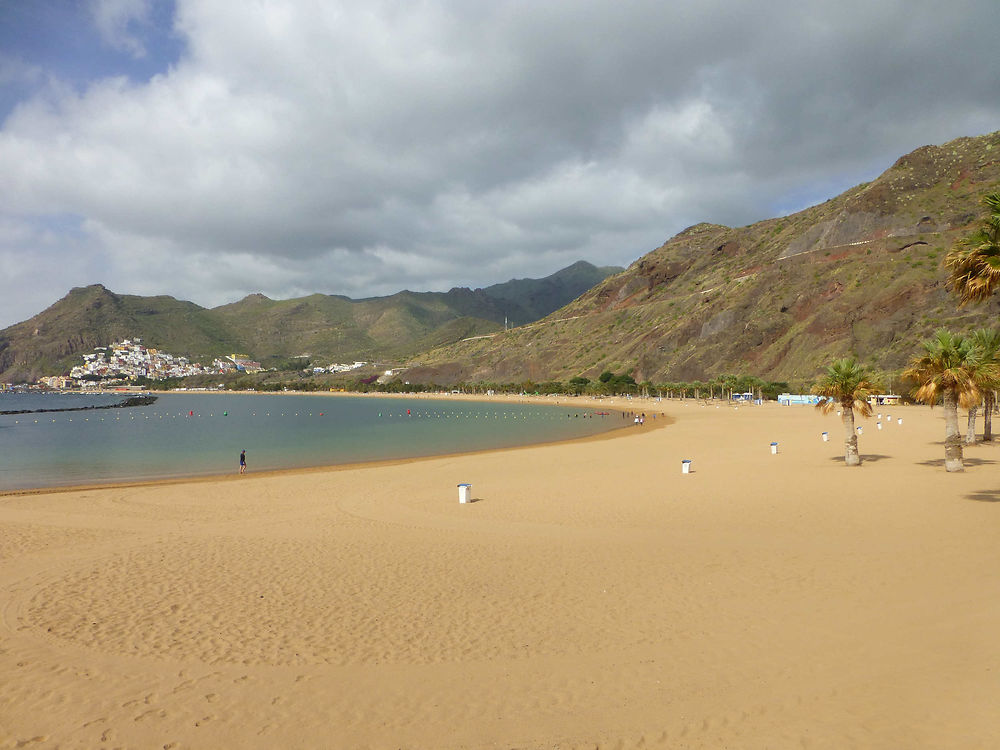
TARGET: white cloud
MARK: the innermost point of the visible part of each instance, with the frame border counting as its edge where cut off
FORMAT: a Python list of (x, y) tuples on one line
[(116, 20), (363, 147)]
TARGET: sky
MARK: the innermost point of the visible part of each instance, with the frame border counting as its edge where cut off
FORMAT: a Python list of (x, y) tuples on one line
[(208, 149)]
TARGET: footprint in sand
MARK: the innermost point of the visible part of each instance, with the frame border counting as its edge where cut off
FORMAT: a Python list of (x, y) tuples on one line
[(152, 713)]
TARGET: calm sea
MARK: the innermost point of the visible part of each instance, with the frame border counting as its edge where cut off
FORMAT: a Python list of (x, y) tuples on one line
[(203, 434)]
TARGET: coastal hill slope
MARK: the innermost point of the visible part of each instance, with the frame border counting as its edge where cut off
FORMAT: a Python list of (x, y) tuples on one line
[(858, 274), (326, 328)]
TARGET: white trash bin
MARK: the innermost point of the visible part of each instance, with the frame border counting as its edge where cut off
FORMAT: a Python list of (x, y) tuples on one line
[(774, 448), (465, 493), (826, 437), (686, 466)]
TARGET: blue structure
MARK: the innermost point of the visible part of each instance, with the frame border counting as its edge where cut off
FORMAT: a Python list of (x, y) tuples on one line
[(787, 399)]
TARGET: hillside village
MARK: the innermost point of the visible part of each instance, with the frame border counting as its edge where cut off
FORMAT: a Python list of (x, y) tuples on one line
[(129, 360)]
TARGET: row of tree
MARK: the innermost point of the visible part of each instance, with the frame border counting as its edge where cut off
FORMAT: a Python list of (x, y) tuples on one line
[(957, 369), (607, 384)]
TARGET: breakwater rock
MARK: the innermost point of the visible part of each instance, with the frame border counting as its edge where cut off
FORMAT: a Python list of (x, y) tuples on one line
[(130, 401)]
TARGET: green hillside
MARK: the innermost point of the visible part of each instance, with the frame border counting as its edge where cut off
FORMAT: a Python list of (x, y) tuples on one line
[(323, 328)]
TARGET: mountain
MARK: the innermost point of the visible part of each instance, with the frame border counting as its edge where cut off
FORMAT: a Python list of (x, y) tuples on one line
[(859, 274), (54, 340), (527, 300), (326, 328)]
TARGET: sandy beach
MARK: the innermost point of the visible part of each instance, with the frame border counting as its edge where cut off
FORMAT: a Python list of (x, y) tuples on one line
[(591, 597)]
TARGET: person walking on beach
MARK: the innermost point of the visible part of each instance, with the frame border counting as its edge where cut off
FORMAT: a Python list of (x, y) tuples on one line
[(243, 462)]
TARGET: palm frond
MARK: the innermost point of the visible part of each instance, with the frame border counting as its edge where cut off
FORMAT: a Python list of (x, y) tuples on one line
[(847, 384), (974, 262)]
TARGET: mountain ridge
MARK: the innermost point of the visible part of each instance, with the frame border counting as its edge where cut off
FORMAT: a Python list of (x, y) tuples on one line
[(327, 327)]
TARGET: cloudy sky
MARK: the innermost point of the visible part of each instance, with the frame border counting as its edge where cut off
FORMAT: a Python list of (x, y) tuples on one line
[(208, 149)]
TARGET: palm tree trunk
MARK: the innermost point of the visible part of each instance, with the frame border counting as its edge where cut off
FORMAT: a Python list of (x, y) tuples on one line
[(952, 437), (970, 433), (990, 399), (851, 455)]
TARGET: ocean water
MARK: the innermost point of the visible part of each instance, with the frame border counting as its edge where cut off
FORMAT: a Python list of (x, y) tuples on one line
[(53, 400), (203, 434)]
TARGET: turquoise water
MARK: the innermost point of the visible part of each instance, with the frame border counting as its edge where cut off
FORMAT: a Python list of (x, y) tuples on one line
[(203, 434)]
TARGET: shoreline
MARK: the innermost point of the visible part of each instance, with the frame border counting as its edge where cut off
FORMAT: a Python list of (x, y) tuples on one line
[(614, 432)]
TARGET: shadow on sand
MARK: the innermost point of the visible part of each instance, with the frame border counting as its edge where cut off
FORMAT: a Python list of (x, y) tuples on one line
[(985, 496), (865, 458), (967, 461)]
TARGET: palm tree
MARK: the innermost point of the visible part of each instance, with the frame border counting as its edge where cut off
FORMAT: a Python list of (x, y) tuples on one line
[(974, 261), (947, 370), (987, 346), (847, 384)]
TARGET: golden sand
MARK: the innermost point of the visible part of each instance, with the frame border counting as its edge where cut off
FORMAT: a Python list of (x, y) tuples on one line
[(592, 596)]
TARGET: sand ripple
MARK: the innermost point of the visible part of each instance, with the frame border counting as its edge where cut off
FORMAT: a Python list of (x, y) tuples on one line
[(283, 602)]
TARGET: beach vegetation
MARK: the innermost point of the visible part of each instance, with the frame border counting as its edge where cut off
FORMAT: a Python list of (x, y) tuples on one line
[(847, 384), (947, 371), (974, 261), (612, 383), (986, 343), (550, 387)]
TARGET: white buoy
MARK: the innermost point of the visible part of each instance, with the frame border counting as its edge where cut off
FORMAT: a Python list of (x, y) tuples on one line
[(465, 493), (774, 448), (826, 437), (686, 466)]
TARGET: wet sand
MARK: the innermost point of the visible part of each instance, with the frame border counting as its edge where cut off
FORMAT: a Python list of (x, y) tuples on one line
[(591, 596)]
